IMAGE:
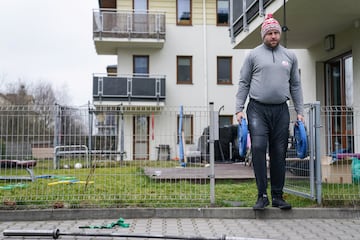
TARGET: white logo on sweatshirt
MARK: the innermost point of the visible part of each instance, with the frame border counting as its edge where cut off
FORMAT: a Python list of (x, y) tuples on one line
[(285, 63)]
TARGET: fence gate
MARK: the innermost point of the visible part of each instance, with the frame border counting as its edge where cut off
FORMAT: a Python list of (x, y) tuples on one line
[(301, 174)]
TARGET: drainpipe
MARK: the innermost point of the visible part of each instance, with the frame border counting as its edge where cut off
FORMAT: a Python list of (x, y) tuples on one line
[(205, 54)]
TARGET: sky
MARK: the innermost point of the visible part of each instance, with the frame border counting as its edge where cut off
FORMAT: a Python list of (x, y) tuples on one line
[(50, 41)]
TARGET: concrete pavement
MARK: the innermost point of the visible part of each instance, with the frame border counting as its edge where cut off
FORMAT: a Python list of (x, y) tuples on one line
[(211, 223)]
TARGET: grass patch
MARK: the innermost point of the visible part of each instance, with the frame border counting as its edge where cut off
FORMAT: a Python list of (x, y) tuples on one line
[(124, 184)]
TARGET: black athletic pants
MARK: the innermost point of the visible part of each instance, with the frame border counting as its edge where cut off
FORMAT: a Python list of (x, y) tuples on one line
[(269, 127)]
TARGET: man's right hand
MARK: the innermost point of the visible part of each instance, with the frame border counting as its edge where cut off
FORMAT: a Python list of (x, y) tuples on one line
[(239, 116)]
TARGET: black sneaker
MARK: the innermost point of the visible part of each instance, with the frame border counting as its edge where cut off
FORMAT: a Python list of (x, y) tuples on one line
[(280, 203), (261, 203)]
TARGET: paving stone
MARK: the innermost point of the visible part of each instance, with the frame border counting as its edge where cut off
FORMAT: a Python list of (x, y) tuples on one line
[(277, 229)]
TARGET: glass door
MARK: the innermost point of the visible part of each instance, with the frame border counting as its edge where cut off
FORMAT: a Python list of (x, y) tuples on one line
[(140, 5), (339, 102), (140, 20), (141, 137)]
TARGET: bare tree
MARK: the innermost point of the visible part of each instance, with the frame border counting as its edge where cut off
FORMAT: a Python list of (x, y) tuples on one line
[(30, 113), (62, 95), (43, 94)]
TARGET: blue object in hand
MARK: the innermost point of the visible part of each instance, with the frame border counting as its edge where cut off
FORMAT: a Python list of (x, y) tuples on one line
[(300, 139), (242, 137)]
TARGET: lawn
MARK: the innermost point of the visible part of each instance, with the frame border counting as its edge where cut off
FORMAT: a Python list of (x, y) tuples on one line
[(124, 184)]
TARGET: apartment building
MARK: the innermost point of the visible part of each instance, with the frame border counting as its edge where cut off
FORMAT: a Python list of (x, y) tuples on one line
[(189, 53), (169, 53)]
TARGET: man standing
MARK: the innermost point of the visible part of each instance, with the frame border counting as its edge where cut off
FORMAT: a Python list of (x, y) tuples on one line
[(269, 76)]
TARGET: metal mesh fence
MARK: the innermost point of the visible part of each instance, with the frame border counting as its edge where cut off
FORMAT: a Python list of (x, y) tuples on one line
[(114, 156), (340, 161), (300, 174), (61, 156)]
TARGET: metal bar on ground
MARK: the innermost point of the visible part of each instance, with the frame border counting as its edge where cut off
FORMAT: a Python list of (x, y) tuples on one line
[(55, 234)]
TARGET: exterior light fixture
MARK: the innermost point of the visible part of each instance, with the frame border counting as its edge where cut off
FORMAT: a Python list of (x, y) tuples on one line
[(329, 43)]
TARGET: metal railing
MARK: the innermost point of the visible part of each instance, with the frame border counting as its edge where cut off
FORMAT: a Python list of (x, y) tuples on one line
[(128, 24), (129, 88)]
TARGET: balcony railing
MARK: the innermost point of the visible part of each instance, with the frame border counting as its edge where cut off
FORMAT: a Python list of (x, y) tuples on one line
[(130, 88), (128, 24), (243, 12)]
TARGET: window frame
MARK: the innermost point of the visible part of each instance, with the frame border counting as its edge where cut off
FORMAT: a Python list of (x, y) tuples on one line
[(148, 64), (218, 81), (178, 71), (183, 22), (217, 14)]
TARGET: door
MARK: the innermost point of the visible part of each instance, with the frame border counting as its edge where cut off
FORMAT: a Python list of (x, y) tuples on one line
[(141, 137), (339, 102), (140, 20), (141, 122)]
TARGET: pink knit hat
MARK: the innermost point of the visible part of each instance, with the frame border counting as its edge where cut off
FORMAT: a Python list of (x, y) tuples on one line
[(269, 24)]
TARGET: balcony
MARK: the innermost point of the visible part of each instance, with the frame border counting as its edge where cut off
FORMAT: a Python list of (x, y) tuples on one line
[(113, 29), (138, 90), (246, 12), (247, 17)]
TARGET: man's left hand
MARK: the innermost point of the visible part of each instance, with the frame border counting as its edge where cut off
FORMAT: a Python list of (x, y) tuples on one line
[(301, 118)]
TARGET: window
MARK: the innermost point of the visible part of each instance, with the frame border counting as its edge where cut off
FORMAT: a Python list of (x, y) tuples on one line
[(225, 120), (184, 70), (140, 5), (140, 65), (183, 12), (187, 128), (222, 16), (110, 120), (224, 70)]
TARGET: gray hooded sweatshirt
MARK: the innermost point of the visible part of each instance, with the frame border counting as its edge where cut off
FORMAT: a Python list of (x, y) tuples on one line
[(270, 76)]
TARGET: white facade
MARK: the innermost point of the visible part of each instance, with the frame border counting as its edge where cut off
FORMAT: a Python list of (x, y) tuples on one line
[(204, 41)]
